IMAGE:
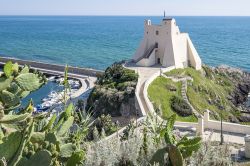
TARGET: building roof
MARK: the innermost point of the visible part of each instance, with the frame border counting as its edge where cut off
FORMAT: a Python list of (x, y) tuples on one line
[(167, 19)]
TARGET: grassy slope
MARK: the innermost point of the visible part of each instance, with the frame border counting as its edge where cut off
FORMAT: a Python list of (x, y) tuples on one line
[(207, 88), (160, 96)]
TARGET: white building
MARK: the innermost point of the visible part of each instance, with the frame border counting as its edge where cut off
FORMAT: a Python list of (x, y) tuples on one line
[(165, 45)]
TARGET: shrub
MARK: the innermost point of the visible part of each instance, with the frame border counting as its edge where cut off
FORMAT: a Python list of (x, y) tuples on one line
[(116, 86), (210, 154), (171, 87), (180, 106), (105, 122)]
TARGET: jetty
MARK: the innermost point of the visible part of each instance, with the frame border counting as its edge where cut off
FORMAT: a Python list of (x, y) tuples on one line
[(53, 69)]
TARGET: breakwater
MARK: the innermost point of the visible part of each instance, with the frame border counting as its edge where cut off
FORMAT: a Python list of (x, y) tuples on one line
[(53, 69)]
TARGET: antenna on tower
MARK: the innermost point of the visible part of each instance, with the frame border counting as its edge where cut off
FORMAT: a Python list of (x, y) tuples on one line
[(164, 14)]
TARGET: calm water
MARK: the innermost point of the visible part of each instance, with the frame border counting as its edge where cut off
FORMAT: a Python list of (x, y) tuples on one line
[(97, 42), (41, 93)]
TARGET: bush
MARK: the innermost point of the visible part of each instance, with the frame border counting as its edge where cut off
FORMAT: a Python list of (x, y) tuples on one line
[(105, 122), (171, 87), (180, 106)]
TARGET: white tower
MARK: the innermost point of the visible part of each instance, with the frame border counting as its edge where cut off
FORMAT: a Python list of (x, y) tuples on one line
[(165, 45)]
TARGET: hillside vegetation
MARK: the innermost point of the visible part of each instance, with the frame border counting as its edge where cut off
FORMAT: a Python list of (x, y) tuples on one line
[(114, 88), (162, 92), (212, 89)]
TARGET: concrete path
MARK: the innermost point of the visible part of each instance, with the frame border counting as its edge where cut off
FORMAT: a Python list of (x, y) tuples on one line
[(228, 137), (144, 74), (87, 84)]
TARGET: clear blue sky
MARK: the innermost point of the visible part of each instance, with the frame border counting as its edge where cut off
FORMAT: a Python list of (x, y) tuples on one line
[(125, 7)]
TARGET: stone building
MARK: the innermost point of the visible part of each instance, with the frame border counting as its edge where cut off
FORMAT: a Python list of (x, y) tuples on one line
[(164, 44)]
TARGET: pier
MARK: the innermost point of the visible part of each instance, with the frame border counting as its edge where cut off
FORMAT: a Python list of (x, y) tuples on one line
[(53, 69)]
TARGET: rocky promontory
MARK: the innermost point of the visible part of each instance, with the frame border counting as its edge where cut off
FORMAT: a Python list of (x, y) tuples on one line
[(240, 94)]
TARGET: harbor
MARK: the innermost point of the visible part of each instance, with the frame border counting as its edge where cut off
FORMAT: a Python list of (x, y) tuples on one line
[(49, 98)]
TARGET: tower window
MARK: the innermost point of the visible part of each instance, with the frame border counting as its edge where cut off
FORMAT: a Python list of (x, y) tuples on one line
[(156, 45), (157, 32)]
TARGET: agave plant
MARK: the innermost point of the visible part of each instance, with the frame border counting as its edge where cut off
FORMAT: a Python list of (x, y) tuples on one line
[(177, 150)]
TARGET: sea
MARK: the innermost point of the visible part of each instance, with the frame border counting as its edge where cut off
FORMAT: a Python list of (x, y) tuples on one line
[(98, 41)]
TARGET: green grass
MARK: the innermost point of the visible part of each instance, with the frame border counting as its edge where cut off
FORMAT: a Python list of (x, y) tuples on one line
[(245, 123), (206, 88), (160, 96)]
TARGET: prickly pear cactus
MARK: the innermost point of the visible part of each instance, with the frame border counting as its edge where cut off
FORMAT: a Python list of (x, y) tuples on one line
[(28, 81), (26, 135), (17, 83), (49, 126), (41, 158), (65, 127), (14, 118), (9, 99), (76, 158), (10, 145), (37, 137), (30, 139), (5, 82), (66, 150), (8, 69)]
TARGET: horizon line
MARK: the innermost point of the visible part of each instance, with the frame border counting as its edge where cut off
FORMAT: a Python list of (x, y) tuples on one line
[(126, 15)]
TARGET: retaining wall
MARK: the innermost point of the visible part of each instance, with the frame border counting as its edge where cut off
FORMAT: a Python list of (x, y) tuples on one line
[(145, 90), (52, 67), (227, 127)]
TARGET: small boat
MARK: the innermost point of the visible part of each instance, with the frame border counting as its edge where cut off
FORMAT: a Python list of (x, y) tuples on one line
[(46, 99), (60, 80), (53, 94), (41, 107), (52, 78), (47, 104)]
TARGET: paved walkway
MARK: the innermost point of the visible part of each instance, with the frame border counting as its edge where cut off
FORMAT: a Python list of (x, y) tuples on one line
[(86, 84), (144, 74), (228, 137)]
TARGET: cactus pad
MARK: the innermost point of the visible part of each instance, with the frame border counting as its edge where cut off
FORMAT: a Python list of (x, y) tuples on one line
[(28, 81), (10, 145), (67, 150), (9, 99), (8, 69), (41, 158), (65, 126), (14, 118), (5, 82)]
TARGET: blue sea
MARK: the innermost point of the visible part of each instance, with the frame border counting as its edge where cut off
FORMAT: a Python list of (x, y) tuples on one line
[(98, 41)]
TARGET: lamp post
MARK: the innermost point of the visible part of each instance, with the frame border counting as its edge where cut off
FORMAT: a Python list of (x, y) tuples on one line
[(221, 132), (221, 127)]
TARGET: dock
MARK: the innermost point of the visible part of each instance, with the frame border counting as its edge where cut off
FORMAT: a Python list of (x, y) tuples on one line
[(53, 69)]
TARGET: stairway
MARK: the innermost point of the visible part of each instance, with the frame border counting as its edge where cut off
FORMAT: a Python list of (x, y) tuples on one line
[(147, 53)]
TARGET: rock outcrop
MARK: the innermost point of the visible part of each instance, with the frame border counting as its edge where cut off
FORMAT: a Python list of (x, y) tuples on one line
[(239, 96), (114, 92)]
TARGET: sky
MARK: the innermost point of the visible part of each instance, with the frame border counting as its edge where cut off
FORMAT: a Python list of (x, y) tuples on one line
[(126, 7)]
